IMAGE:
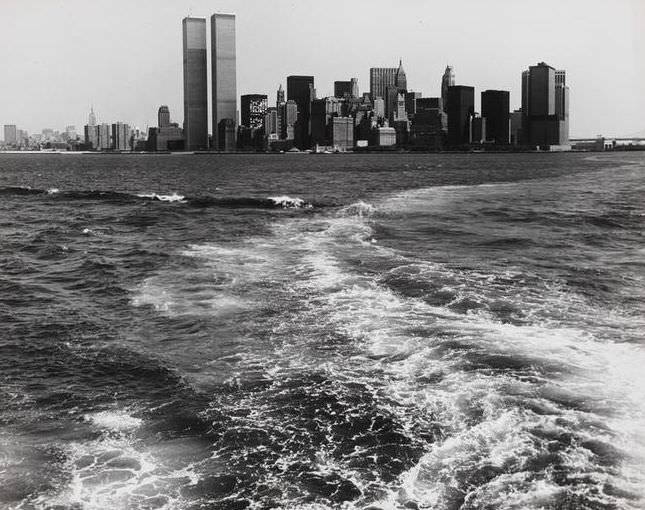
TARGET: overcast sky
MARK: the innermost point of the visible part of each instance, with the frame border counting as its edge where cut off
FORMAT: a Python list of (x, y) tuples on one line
[(125, 56)]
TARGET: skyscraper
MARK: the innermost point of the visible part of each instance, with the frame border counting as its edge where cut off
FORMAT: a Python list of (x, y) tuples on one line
[(120, 136), (496, 111), (545, 106), (104, 137), (163, 116), (380, 79), (461, 108), (254, 108), (400, 78), (280, 100), (447, 80), (562, 105), (167, 135), (195, 84), (355, 92), (91, 118), (224, 85), (342, 89), (301, 90)]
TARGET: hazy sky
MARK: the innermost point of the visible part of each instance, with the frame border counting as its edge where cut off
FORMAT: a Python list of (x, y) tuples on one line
[(125, 56)]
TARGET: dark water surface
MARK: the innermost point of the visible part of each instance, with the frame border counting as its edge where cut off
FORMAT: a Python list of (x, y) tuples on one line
[(334, 331)]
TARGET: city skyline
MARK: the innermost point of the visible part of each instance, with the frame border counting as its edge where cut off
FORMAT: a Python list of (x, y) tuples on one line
[(134, 93)]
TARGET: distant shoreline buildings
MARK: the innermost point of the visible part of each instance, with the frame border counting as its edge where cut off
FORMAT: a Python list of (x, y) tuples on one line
[(388, 117)]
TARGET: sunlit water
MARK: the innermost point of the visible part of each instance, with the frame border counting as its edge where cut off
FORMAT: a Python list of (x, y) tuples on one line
[(334, 331)]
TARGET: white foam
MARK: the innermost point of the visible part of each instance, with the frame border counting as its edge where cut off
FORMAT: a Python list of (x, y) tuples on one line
[(425, 379), (53, 191), (115, 421), (173, 197), (290, 203)]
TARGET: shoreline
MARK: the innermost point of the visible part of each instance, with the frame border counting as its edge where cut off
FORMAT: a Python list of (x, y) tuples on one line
[(360, 152)]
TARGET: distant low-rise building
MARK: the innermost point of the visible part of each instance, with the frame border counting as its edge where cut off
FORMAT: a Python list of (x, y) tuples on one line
[(384, 136)]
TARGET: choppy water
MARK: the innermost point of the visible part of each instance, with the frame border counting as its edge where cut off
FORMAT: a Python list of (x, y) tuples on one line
[(308, 332)]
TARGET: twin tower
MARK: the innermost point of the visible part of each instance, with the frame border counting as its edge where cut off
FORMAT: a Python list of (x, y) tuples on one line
[(224, 90)]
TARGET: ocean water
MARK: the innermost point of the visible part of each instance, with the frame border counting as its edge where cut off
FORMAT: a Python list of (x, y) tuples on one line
[(322, 331)]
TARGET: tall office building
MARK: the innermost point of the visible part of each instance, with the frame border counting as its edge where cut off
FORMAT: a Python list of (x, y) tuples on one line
[(400, 79), (224, 85), (346, 89), (163, 116), (280, 99), (288, 118), (562, 105), (120, 136), (545, 106), (411, 102), (496, 111), (167, 135), (447, 80), (254, 108), (355, 92), (91, 131), (10, 134), (461, 109), (271, 123), (341, 130), (380, 79), (427, 128), (342, 89), (195, 84), (104, 137), (301, 90)]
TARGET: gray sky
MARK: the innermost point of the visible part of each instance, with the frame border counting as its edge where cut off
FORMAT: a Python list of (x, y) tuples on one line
[(125, 56)]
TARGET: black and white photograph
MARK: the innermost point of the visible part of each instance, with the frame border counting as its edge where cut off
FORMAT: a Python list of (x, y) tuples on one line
[(298, 255)]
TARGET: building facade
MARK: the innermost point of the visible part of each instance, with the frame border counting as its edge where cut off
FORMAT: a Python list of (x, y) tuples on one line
[(253, 110), (105, 137), (168, 135), (300, 89), (545, 107), (163, 116), (195, 84), (447, 80), (224, 80), (427, 128), (120, 136), (288, 117), (342, 133), (461, 109), (10, 134), (342, 89), (496, 110), (91, 131), (380, 79)]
